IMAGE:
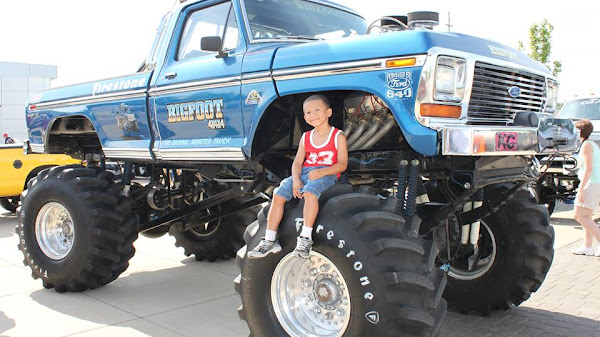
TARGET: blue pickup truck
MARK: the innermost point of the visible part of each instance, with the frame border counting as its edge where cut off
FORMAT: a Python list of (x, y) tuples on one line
[(443, 130)]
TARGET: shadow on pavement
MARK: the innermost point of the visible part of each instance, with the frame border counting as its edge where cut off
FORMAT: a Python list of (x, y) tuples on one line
[(153, 296), (5, 323), (8, 222), (520, 321)]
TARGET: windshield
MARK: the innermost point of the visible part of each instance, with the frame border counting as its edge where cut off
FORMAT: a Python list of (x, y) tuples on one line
[(159, 39), (299, 19), (588, 108)]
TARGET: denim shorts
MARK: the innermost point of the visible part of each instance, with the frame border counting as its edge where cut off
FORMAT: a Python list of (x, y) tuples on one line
[(315, 187)]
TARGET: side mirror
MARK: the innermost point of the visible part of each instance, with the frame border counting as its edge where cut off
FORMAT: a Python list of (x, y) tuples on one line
[(212, 43)]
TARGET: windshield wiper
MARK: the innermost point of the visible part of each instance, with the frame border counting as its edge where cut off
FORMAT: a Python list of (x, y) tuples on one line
[(298, 37)]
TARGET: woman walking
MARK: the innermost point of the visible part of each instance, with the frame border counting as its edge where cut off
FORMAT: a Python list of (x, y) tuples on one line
[(588, 195)]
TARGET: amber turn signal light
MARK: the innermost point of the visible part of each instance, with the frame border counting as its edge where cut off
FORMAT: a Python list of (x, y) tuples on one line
[(401, 62), (437, 110)]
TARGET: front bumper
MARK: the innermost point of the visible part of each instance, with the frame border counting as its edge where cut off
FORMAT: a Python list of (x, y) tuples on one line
[(552, 136)]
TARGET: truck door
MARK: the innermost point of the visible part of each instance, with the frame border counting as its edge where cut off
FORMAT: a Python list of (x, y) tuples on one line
[(196, 96)]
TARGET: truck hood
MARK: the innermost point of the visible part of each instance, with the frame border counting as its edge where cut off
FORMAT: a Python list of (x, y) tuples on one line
[(394, 44)]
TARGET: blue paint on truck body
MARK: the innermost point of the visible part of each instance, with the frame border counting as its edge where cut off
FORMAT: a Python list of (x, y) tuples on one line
[(209, 107)]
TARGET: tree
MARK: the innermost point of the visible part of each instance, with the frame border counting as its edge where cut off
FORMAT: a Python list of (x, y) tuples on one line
[(540, 44)]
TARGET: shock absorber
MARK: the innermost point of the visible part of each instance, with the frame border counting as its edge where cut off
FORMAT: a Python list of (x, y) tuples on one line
[(410, 204), (477, 202), (401, 192), (127, 172)]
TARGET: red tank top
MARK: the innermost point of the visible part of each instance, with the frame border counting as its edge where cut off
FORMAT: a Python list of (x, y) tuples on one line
[(320, 155)]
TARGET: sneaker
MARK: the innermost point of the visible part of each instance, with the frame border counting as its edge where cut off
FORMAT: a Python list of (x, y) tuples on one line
[(264, 248), (583, 250), (303, 247)]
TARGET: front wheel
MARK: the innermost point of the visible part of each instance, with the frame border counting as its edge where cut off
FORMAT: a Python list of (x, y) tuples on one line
[(368, 274), (515, 254)]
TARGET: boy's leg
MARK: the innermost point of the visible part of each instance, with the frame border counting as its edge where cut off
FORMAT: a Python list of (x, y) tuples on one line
[(269, 244), (275, 212), (310, 211)]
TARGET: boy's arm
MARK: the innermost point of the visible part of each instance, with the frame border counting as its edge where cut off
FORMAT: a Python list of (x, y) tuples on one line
[(339, 167), (297, 170), (299, 160)]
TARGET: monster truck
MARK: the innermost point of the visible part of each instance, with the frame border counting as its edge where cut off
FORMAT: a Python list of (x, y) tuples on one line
[(443, 130), (16, 169), (558, 180)]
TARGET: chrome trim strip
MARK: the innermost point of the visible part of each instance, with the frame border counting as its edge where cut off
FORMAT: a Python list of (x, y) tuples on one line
[(127, 153), (206, 154), (260, 77), (92, 99), (38, 148), (194, 86), (343, 68)]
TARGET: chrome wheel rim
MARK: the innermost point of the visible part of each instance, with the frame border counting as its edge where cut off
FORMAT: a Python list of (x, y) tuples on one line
[(484, 264), (310, 297), (54, 231)]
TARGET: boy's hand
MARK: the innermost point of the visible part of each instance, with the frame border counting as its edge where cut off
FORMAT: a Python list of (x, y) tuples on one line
[(316, 174), (297, 185)]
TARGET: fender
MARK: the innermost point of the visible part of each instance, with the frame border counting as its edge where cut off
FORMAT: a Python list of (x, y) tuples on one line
[(303, 80)]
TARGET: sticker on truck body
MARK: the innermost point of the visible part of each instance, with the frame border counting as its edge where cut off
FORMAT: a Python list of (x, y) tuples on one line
[(399, 85), (210, 110)]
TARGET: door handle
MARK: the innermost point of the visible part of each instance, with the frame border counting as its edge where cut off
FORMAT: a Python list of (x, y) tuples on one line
[(170, 76)]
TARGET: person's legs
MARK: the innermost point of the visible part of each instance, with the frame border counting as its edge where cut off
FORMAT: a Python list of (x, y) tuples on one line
[(583, 215), (269, 244), (311, 209), (275, 212)]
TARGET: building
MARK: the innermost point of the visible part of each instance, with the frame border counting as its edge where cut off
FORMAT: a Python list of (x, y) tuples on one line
[(17, 81)]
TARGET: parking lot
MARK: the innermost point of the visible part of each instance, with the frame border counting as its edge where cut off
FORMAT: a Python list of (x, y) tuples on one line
[(164, 294)]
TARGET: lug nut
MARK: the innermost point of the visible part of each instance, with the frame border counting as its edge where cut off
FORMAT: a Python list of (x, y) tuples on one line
[(328, 316), (307, 283), (309, 298), (340, 312), (324, 268), (313, 272), (317, 310)]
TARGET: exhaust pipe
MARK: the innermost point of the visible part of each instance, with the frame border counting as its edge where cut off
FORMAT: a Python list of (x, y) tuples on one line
[(382, 132)]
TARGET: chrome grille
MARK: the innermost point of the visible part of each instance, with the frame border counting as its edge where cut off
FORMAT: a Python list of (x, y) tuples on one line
[(490, 102)]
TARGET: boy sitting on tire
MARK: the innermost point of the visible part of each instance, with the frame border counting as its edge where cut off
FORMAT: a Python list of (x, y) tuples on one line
[(322, 155)]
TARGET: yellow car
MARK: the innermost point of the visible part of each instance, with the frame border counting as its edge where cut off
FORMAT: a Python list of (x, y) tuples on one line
[(17, 168)]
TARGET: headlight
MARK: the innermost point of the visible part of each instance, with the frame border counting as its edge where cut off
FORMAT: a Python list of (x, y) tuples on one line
[(551, 95), (450, 79)]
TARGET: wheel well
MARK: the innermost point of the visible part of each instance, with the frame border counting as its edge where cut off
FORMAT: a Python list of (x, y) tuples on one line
[(74, 135), (282, 124)]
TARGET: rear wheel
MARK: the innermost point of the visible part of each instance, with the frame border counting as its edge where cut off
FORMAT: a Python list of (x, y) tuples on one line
[(10, 204), (218, 239), (369, 274), (516, 251), (75, 231)]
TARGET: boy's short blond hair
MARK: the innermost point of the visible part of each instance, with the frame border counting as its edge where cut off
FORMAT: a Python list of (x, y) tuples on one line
[(318, 97)]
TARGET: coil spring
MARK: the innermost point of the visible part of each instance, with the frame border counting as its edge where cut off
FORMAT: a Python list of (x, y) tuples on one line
[(410, 204), (400, 193)]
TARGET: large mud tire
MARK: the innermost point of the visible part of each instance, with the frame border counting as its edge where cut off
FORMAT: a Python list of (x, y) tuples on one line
[(10, 204), (392, 285), (102, 223), (524, 243), (219, 239)]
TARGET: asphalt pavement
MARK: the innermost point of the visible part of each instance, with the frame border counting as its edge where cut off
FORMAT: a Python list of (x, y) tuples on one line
[(164, 293)]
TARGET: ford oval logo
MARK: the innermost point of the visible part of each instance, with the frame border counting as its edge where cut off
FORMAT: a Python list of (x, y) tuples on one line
[(514, 91)]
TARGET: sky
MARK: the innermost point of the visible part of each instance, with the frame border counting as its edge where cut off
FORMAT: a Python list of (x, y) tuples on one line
[(90, 40)]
